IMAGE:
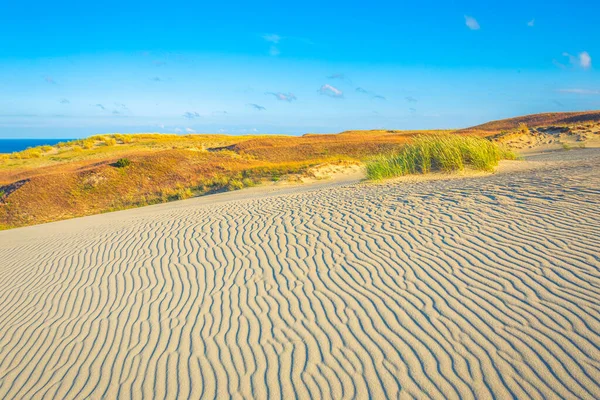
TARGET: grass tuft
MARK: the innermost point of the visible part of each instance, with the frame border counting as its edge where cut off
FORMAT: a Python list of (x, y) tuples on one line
[(122, 163), (438, 153)]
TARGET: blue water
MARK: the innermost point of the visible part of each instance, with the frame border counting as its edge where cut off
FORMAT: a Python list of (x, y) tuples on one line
[(12, 145)]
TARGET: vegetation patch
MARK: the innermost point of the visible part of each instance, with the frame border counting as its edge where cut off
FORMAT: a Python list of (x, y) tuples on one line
[(119, 171), (122, 163), (445, 153)]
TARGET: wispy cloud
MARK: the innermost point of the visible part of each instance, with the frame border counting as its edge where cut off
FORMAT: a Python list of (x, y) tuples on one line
[(531, 23), (191, 114), (276, 41), (410, 99), (156, 79), (471, 23), (582, 60), (121, 106), (190, 130), (579, 91), (274, 51), (368, 92), (289, 97), (64, 101), (159, 63), (558, 64), (331, 91), (50, 80), (340, 77), (100, 106), (218, 113), (413, 109), (337, 76), (272, 37), (256, 107)]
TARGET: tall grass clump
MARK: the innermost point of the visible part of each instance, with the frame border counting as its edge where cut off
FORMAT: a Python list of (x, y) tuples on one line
[(438, 153)]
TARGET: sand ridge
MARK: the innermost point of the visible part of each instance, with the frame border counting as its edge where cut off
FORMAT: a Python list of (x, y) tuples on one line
[(474, 288)]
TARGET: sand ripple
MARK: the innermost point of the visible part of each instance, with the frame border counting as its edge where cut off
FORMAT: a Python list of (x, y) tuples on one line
[(486, 288)]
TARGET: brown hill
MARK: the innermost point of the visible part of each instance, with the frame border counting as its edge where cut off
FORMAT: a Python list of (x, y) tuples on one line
[(535, 120)]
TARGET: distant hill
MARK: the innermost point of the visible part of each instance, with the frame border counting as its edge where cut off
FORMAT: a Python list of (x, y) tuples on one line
[(536, 120)]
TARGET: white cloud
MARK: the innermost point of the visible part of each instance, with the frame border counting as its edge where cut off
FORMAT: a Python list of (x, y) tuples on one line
[(274, 51), (579, 91), (531, 23), (191, 115), (190, 130), (273, 38), (585, 60), (471, 23), (331, 91), (289, 97)]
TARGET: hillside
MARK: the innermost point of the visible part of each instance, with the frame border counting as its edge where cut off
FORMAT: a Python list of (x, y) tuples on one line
[(113, 172), (534, 121)]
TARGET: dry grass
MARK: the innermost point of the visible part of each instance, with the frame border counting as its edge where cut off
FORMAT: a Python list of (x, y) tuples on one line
[(533, 121), (91, 176)]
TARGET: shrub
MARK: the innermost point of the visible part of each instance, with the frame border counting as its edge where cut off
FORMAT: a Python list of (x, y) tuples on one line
[(124, 139), (182, 194), (33, 152), (523, 128), (235, 184), (122, 163), (438, 153), (109, 141), (87, 143), (247, 182)]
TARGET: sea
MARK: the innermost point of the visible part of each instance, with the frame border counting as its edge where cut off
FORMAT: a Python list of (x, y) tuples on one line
[(12, 145)]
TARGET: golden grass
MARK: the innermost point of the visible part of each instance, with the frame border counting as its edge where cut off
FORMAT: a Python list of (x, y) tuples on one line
[(85, 176)]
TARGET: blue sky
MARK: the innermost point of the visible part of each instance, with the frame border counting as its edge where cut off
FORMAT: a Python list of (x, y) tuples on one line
[(71, 69)]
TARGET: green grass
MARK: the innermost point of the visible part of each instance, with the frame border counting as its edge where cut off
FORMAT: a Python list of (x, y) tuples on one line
[(445, 153), (122, 163)]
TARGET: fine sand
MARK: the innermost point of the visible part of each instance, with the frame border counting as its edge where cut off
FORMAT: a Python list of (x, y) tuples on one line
[(484, 287)]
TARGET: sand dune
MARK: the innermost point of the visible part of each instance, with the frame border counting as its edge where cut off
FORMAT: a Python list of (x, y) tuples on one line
[(483, 287)]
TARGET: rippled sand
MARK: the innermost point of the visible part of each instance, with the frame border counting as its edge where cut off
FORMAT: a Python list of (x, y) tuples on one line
[(481, 287)]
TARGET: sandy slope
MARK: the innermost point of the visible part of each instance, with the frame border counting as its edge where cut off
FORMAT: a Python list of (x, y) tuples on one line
[(481, 287)]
